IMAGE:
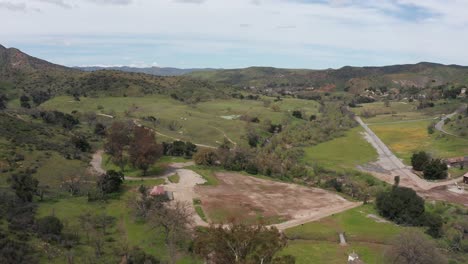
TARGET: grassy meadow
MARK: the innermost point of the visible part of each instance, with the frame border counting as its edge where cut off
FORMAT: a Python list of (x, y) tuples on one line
[(318, 242), (403, 111), (126, 232), (341, 153), (204, 123), (406, 138)]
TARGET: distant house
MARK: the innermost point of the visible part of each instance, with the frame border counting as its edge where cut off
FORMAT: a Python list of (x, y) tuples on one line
[(159, 190), (353, 258), (457, 161)]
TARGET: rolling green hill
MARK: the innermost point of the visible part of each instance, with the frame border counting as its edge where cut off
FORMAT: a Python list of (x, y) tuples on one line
[(23, 74), (353, 79)]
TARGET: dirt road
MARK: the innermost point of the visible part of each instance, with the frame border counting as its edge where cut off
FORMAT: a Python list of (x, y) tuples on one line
[(440, 125)]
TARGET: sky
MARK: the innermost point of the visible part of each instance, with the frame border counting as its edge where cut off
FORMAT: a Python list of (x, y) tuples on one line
[(315, 34)]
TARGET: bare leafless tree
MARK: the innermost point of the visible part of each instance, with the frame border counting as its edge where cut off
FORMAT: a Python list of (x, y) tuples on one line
[(175, 221), (412, 247)]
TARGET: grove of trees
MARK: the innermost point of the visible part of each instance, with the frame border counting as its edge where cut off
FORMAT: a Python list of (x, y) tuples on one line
[(433, 169), (241, 243), (129, 143)]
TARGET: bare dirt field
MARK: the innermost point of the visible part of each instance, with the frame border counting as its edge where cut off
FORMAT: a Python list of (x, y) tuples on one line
[(253, 200)]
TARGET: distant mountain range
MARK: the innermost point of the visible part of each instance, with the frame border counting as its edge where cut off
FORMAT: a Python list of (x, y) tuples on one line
[(21, 73), (159, 71)]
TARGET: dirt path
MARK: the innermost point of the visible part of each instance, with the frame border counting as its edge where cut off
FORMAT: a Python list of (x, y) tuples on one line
[(184, 191), (137, 123), (96, 163), (440, 125), (225, 135)]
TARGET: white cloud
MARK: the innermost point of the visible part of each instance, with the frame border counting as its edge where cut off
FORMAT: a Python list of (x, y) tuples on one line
[(429, 29), (60, 3)]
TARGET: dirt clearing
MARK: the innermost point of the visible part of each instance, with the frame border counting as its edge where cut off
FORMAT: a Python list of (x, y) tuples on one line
[(253, 200)]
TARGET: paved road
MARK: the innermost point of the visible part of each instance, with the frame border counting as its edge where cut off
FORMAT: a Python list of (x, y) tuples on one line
[(440, 125), (392, 166)]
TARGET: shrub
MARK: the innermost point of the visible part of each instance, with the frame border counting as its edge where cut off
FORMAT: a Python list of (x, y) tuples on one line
[(419, 160), (297, 114), (207, 157)]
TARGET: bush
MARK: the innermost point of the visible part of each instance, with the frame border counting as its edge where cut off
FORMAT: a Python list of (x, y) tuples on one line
[(419, 160), (138, 256), (81, 143), (434, 222), (297, 114), (401, 205), (207, 157)]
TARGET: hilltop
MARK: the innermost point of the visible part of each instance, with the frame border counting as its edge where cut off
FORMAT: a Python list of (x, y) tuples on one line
[(21, 74)]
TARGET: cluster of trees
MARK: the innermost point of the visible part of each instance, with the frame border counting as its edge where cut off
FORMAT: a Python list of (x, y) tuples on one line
[(18, 209), (403, 206), (275, 160), (240, 243), (135, 144), (179, 149), (38, 97), (433, 169), (58, 118)]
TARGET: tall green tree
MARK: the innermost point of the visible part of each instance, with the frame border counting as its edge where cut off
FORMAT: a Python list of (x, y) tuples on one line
[(435, 170), (110, 182), (401, 205), (419, 160)]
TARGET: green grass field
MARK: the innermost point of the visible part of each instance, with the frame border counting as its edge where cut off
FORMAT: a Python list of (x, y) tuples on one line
[(127, 229), (202, 123), (341, 153), (318, 242), (403, 111), (406, 138)]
